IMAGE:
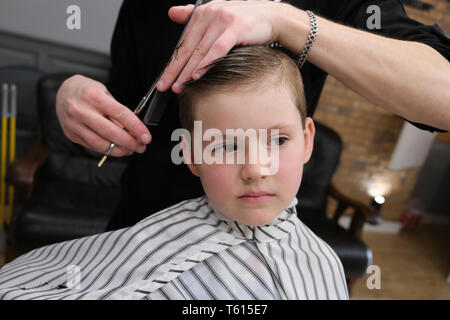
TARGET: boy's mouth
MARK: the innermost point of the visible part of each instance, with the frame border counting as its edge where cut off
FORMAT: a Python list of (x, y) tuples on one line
[(256, 197)]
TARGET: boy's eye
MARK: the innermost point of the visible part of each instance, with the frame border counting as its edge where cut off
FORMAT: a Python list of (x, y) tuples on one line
[(226, 148), (278, 140)]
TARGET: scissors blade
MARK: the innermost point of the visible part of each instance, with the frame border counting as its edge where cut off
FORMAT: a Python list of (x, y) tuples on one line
[(160, 99), (144, 100)]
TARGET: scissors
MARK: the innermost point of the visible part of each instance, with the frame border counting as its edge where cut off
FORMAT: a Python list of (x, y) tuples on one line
[(158, 100)]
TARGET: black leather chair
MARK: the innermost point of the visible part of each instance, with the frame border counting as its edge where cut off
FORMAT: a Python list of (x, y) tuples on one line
[(313, 196), (67, 196), (64, 194)]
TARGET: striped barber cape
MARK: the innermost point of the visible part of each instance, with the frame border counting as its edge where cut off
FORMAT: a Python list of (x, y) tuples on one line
[(187, 251)]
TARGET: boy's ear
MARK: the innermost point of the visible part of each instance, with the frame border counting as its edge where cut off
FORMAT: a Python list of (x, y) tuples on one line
[(188, 156), (308, 134)]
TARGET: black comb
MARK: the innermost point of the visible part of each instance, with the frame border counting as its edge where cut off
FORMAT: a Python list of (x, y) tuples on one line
[(157, 107), (159, 100)]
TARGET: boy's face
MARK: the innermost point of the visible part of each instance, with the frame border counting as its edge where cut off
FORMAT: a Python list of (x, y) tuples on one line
[(227, 185)]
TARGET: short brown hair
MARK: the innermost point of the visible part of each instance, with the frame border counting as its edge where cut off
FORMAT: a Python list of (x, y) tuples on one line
[(245, 65)]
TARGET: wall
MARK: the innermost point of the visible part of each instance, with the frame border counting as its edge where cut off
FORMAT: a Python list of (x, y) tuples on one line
[(370, 135), (433, 194), (46, 20)]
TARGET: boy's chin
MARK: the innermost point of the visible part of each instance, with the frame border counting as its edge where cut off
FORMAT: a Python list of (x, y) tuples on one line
[(261, 220)]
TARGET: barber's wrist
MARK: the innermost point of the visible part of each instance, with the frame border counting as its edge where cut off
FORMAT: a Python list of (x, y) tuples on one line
[(292, 27)]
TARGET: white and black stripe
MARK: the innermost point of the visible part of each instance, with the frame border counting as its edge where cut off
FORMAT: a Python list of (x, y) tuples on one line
[(187, 251)]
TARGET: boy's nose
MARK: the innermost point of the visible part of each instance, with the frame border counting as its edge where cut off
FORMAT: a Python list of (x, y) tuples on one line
[(252, 171)]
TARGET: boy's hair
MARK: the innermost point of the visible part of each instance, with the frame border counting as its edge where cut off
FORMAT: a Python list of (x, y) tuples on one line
[(243, 66)]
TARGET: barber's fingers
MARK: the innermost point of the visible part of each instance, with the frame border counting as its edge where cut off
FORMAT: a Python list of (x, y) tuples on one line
[(180, 14), (108, 106), (110, 130), (245, 22), (200, 52), (189, 45), (219, 48), (83, 135), (140, 148)]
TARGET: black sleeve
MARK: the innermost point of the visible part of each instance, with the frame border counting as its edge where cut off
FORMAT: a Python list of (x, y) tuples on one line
[(122, 74), (394, 24)]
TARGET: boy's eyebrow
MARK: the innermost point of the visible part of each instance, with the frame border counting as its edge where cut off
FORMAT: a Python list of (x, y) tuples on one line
[(282, 126), (277, 126)]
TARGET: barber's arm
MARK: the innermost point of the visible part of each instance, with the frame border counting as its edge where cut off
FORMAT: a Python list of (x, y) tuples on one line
[(94, 115), (408, 78)]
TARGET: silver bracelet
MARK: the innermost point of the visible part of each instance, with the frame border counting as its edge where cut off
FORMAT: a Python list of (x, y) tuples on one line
[(309, 43)]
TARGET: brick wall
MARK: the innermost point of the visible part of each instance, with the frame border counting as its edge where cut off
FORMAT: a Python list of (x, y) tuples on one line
[(370, 134)]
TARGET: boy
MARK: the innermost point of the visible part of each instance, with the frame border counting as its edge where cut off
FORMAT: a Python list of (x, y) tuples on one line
[(242, 240)]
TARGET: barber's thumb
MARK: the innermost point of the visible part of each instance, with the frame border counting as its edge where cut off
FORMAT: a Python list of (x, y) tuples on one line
[(180, 14)]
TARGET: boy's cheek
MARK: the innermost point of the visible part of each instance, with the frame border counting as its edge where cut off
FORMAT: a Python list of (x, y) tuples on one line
[(215, 179), (290, 172), (290, 168)]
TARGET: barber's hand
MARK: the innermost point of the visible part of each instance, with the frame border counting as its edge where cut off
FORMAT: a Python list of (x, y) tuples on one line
[(90, 116), (214, 29)]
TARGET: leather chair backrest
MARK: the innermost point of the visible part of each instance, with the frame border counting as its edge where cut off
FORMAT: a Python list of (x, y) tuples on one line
[(318, 172), (68, 160)]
